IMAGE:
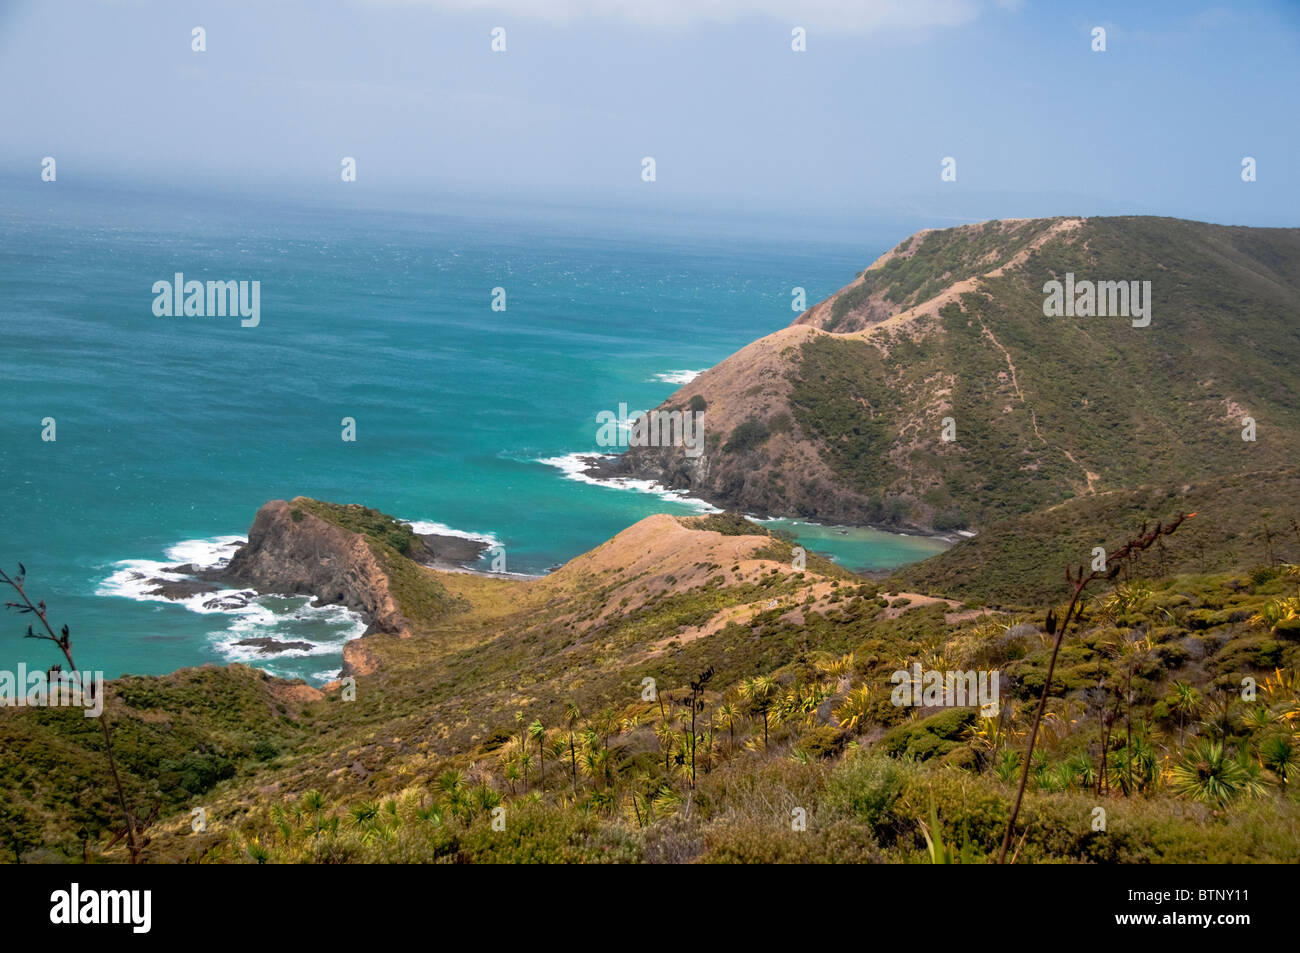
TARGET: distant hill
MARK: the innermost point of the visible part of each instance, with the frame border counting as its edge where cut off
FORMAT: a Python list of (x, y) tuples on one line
[(840, 417)]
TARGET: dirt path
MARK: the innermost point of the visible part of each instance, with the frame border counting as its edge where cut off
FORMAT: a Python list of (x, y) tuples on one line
[(1090, 477)]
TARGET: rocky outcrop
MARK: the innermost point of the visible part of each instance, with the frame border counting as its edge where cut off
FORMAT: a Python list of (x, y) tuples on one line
[(446, 552), (781, 474), (292, 552), (358, 659)]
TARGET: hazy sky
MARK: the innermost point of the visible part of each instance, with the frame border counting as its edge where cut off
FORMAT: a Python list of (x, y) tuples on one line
[(855, 127)]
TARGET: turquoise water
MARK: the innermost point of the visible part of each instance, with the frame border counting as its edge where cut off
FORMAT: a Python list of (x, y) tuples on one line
[(858, 547), (172, 431)]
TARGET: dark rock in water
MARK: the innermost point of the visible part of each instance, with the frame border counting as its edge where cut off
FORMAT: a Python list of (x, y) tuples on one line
[(206, 573), (293, 552), (237, 601), (180, 589), (271, 646), (448, 550), (603, 467)]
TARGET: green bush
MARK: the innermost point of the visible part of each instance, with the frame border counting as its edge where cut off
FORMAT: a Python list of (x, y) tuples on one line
[(865, 788), (194, 773), (1288, 629), (930, 737), (747, 436), (822, 742)]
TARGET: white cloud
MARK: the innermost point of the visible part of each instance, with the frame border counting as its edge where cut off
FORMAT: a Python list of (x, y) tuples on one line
[(838, 16)]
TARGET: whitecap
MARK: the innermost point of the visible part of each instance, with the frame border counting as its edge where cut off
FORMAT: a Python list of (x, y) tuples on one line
[(134, 577), (677, 377), (211, 553), (249, 617), (575, 465), (430, 528)]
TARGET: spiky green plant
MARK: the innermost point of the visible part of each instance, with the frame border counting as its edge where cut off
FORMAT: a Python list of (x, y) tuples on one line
[(726, 716), (1187, 700), (939, 851), (537, 732), (1280, 753), (1008, 765), (314, 802), (1212, 774), (571, 716), (852, 712)]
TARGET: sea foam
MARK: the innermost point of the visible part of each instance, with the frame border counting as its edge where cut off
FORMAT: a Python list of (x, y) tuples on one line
[(430, 528), (677, 377), (248, 615), (575, 465)]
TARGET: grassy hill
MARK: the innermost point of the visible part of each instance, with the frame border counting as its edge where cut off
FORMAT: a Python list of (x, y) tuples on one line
[(1242, 520), (841, 417), (533, 699)]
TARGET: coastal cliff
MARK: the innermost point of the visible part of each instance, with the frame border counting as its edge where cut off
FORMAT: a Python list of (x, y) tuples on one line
[(933, 393), (563, 697), (346, 555), (294, 552)]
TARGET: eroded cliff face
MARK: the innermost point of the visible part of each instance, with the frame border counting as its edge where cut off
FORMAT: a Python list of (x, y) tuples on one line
[(783, 473), (290, 551)]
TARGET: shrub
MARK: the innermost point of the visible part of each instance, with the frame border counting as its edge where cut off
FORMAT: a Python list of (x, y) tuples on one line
[(728, 523), (930, 737), (822, 742), (1288, 629), (194, 773), (746, 437), (950, 519), (865, 788)]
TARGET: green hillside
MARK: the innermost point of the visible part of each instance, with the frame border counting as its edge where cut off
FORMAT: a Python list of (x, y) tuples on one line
[(532, 702), (1045, 409)]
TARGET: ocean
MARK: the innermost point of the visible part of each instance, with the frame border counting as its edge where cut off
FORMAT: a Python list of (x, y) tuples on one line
[(171, 431)]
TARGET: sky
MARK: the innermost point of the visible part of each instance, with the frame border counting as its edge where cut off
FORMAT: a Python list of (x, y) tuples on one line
[(854, 128)]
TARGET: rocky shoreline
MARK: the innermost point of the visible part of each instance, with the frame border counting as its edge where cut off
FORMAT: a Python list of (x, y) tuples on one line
[(449, 553), (252, 571), (609, 468)]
